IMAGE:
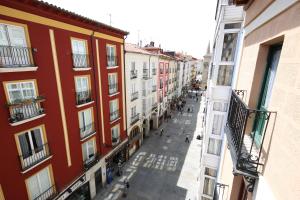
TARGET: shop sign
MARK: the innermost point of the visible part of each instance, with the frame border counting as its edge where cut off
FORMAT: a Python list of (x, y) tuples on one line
[(72, 188)]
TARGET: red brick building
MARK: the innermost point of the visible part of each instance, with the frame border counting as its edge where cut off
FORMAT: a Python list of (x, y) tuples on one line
[(63, 117)]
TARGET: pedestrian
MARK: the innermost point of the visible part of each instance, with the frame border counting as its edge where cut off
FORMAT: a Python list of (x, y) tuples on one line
[(127, 185), (161, 132), (197, 99), (188, 110), (187, 139)]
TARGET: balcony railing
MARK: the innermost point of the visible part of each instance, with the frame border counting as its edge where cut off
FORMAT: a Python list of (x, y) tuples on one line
[(33, 157), (133, 74), (113, 88), (160, 99), (145, 74), (154, 106), (135, 118), (153, 88), (91, 161), (83, 97), (23, 109), (87, 130), (114, 115), (115, 141), (80, 60), (134, 96), (112, 61), (47, 194), (11, 56), (154, 71), (245, 147)]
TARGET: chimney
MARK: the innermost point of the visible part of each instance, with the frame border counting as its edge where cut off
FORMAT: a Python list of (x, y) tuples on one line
[(151, 44)]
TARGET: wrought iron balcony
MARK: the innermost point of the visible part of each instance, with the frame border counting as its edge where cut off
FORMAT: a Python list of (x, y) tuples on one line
[(49, 193), (115, 141), (154, 106), (87, 130), (12, 56), (133, 74), (91, 161), (134, 96), (246, 141), (22, 109), (33, 157), (83, 97), (135, 118), (153, 88), (112, 61), (114, 115), (80, 60), (113, 88), (154, 71)]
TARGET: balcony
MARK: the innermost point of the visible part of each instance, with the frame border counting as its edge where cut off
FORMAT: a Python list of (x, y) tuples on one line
[(245, 141), (134, 118), (13, 59), (114, 115), (113, 88), (161, 71), (87, 130), (91, 161), (33, 157), (49, 193), (154, 71), (154, 106), (115, 141), (112, 61), (134, 96), (145, 74), (153, 88), (80, 61), (83, 97), (133, 74), (25, 109), (160, 99)]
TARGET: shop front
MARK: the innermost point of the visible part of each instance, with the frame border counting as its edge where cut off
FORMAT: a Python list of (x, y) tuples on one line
[(135, 139)]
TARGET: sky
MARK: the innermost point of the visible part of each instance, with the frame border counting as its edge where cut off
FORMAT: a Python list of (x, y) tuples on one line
[(179, 25)]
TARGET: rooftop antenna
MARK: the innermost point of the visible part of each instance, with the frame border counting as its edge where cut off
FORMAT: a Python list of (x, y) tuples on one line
[(109, 19), (138, 37)]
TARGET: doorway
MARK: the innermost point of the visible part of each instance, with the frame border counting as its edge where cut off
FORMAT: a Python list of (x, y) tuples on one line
[(98, 180)]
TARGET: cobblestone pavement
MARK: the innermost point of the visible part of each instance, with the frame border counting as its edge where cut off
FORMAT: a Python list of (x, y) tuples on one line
[(165, 167)]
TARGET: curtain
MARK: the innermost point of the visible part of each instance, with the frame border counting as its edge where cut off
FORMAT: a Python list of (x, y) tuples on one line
[(44, 180), (25, 145), (209, 185), (217, 124), (36, 136), (90, 146), (214, 146), (33, 187)]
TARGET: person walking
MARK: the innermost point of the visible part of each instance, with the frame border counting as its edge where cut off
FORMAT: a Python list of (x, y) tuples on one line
[(187, 139), (161, 132)]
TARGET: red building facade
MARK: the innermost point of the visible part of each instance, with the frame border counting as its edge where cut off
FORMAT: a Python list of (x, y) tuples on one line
[(63, 111)]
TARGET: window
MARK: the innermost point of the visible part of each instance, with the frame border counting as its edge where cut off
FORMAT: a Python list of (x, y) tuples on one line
[(79, 52), (225, 75), (218, 106), (232, 26), (217, 124), (210, 172), (111, 55), (113, 83), (83, 94), (229, 46), (114, 109), (40, 183), (86, 124), (20, 91), (133, 111), (209, 186), (214, 146), (115, 134), (14, 51), (89, 150), (132, 66)]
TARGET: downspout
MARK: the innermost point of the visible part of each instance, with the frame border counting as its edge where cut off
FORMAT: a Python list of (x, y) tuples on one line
[(125, 93)]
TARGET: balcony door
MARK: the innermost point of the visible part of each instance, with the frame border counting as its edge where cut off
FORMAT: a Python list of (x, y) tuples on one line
[(85, 122), (82, 87), (79, 51), (266, 91)]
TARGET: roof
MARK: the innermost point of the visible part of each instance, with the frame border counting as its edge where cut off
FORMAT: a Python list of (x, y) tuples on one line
[(136, 49), (41, 5)]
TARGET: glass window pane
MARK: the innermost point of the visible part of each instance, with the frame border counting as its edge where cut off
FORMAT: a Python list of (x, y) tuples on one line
[(229, 46), (209, 186), (44, 180), (225, 75), (217, 124), (33, 187), (214, 146), (232, 26), (210, 172), (16, 36)]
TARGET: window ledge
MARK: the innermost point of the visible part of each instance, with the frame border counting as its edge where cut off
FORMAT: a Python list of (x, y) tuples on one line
[(17, 69), (27, 120), (115, 120), (82, 68), (114, 94), (112, 67), (37, 164), (85, 104), (86, 138)]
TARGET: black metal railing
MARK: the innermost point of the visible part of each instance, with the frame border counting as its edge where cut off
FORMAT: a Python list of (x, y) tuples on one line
[(154, 106), (133, 74), (153, 88), (80, 60), (112, 61), (50, 193), (242, 136), (154, 71), (91, 161), (135, 118), (23, 109), (221, 191), (114, 115), (33, 157), (113, 88), (134, 96), (83, 97), (12, 56), (115, 141), (87, 130)]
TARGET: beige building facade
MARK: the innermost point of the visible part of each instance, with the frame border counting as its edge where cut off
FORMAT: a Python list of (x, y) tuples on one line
[(262, 131)]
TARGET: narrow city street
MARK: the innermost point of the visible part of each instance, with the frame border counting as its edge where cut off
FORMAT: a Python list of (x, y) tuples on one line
[(165, 167)]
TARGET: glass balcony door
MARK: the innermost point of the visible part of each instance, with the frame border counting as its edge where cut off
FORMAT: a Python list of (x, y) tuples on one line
[(85, 122)]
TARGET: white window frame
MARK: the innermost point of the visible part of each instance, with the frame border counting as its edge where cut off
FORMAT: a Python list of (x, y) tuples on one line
[(117, 128), (218, 153), (85, 125), (21, 89), (114, 106), (111, 52), (86, 156), (113, 79), (82, 87)]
